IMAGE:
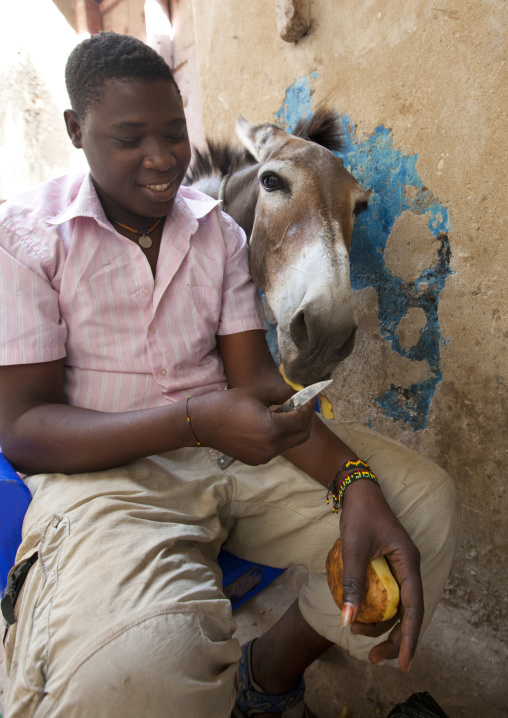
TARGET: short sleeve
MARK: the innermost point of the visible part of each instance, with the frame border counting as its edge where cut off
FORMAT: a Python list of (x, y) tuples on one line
[(31, 329), (242, 309)]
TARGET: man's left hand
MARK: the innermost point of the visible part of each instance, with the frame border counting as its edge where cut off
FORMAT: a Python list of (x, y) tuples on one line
[(369, 529)]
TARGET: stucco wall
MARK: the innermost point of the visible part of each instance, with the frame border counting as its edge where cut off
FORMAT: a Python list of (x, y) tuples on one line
[(422, 87)]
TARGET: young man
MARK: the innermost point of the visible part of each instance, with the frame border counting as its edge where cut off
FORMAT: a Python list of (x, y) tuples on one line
[(127, 313)]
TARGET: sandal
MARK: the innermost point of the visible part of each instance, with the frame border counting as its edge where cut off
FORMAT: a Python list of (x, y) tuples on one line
[(251, 699)]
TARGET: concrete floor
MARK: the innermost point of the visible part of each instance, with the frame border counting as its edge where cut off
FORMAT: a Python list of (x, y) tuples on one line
[(465, 669)]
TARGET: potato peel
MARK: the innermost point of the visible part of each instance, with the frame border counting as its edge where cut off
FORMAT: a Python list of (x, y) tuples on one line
[(325, 406)]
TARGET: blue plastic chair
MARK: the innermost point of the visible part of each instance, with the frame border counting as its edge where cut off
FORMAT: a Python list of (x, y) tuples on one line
[(241, 579), (14, 500)]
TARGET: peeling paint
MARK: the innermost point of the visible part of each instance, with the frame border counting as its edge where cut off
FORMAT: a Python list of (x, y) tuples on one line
[(297, 103), (378, 165)]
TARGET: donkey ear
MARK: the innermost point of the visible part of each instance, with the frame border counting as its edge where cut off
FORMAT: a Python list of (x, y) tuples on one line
[(253, 137)]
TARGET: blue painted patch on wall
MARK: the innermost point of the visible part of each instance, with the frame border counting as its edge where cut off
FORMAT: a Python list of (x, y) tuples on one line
[(378, 165)]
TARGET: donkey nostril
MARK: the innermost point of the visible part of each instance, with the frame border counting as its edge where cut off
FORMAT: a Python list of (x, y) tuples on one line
[(298, 330)]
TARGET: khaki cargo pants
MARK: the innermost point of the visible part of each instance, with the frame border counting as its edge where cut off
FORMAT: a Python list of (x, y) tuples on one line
[(123, 615)]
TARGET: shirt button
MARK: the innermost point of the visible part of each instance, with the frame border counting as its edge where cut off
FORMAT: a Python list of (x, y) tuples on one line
[(152, 330), (163, 372)]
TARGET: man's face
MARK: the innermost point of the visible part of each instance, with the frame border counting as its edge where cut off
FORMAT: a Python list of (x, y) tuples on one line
[(136, 143)]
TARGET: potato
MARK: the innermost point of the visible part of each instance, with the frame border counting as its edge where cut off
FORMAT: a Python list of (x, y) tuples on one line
[(382, 594)]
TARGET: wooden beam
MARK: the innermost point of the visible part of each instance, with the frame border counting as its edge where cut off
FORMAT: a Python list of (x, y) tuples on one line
[(88, 17)]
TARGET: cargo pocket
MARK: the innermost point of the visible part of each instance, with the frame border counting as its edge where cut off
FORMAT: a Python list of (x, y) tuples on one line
[(11, 601), (27, 639), (15, 582)]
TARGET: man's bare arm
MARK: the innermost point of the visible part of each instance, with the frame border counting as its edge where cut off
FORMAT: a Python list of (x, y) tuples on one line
[(40, 432)]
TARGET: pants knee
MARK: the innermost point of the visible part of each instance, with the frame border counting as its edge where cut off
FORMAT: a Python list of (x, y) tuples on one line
[(440, 521), (171, 665)]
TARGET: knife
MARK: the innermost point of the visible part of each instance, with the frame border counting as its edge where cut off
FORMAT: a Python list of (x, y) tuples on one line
[(295, 402)]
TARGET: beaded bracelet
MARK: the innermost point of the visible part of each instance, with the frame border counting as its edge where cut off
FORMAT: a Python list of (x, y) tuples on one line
[(357, 470), (350, 464), (189, 421)]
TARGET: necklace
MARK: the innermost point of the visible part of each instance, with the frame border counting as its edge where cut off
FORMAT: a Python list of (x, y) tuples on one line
[(144, 240)]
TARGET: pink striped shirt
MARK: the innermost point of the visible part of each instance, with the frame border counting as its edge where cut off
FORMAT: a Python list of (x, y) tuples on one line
[(72, 287)]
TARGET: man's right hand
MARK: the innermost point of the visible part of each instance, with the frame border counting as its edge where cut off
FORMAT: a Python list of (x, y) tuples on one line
[(242, 422)]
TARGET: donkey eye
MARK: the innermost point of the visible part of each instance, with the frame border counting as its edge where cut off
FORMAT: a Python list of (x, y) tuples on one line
[(359, 208), (271, 182)]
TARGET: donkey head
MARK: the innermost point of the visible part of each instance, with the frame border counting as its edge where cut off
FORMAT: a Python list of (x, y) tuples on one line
[(299, 245)]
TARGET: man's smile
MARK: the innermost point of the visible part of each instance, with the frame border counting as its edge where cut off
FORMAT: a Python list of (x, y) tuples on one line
[(161, 191), (158, 187)]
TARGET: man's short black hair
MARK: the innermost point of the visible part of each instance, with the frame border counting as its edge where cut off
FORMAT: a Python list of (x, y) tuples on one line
[(109, 56)]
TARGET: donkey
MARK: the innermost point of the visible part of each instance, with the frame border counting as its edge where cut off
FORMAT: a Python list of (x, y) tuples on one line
[(297, 204)]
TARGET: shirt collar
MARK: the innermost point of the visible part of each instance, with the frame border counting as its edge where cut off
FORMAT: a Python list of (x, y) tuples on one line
[(85, 204), (190, 203), (195, 204)]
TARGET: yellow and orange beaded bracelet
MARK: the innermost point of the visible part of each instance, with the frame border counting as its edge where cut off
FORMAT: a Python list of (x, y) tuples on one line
[(356, 470)]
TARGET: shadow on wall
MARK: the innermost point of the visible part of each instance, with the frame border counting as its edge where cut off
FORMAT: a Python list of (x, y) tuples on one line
[(399, 195)]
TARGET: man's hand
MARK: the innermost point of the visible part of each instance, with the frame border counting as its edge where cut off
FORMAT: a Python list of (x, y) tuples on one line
[(242, 422), (369, 529)]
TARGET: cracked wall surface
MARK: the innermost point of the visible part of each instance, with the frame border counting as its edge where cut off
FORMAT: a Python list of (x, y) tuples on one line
[(420, 86)]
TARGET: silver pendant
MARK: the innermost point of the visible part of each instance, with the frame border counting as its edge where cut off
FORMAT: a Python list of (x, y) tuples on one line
[(145, 241)]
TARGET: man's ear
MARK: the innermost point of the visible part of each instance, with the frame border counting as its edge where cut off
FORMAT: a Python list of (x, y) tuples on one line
[(73, 124)]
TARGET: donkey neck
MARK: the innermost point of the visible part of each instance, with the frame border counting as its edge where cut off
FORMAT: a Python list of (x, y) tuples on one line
[(241, 196), (208, 185)]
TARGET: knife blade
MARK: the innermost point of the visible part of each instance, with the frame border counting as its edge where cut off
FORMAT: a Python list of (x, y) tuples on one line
[(292, 404)]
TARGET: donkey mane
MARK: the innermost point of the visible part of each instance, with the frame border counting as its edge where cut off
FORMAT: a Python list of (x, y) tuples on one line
[(217, 157), (322, 127)]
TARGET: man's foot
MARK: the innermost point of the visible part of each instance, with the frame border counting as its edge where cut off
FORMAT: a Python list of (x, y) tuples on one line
[(253, 702), (270, 675)]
